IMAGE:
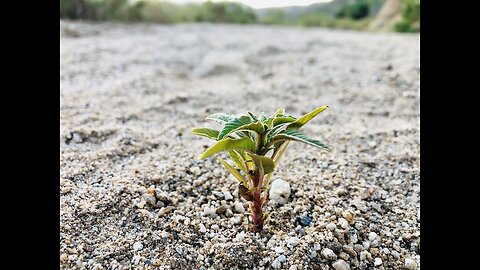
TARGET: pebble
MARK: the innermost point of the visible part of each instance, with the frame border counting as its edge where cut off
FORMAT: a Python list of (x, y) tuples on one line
[(195, 170), (348, 215), (201, 228), (410, 264), (239, 237), (215, 227), (341, 265), (343, 223), (293, 267), (282, 258), (331, 226), (227, 195), (279, 250), (292, 242), (280, 191), (377, 262), (328, 254), (276, 264), (137, 246), (327, 184), (372, 236), (209, 211), (64, 257), (238, 207)]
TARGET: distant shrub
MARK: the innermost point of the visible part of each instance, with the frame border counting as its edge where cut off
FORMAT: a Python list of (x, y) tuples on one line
[(410, 21), (355, 11)]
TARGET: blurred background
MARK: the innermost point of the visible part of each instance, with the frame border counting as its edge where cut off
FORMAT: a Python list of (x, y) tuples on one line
[(370, 15)]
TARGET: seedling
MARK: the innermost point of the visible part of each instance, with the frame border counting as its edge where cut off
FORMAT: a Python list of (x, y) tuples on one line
[(255, 145)]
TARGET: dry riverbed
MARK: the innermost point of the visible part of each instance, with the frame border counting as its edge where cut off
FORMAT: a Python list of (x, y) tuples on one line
[(134, 195)]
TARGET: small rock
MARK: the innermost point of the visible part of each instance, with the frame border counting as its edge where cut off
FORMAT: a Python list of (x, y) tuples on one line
[(341, 192), (372, 236), (343, 223), (331, 226), (305, 220), (280, 191), (137, 246), (279, 250), (410, 264), (64, 258), (197, 183), (151, 191), (293, 267), (348, 215), (150, 199), (195, 170), (276, 264), (377, 262), (215, 227), (293, 241), (221, 209), (239, 237), (201, 228), (217, 172), (227, 195), (328, 254), (341, 265), (282, 258), (327, 184), (238, 207), (236, 220)]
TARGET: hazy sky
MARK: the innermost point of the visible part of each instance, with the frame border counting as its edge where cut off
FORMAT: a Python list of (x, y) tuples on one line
[(261, 3)]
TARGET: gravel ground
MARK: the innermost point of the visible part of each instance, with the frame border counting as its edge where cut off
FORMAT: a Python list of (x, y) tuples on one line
[(135, 196)]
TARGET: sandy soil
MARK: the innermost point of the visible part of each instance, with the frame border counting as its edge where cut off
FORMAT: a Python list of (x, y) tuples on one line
[(134, 196)]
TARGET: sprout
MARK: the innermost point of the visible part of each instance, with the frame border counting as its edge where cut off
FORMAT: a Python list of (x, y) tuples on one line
[(255, 145)]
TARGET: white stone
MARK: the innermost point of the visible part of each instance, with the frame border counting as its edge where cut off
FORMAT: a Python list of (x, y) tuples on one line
[(331, 226), (343, 223), (137, 246), (239, 237), (293, 241), (276, 264), (293, 267), (279, 249), (280, 191), (282, 258), (328, 254), (410, 264), (238, 207), (202, 228), (228, 196), (341, 265), (377, 262), (195, 170), (372, 236)]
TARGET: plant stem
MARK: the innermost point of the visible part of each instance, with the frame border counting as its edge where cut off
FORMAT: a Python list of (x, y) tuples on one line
[(256, 204)]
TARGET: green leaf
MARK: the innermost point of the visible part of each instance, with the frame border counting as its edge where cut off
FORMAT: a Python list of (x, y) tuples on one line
[(206, 132), (238, 159), (263, 162), (229, 144), (253, 116), (245, 193), (295, 135), (279, 112), (221, 118), (235, 173), (282, 120), (242, 123), (306, 118)]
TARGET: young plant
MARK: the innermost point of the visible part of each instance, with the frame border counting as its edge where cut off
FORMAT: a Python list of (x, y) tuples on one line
[(255, 145)]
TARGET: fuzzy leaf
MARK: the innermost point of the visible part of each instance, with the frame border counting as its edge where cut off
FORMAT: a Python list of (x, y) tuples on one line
[(283, 120), (221, 118), (295, 135), (233, 124), (263, 161), (235, 173), (229, 144), (237, 125), (206, 132), (306, 118)]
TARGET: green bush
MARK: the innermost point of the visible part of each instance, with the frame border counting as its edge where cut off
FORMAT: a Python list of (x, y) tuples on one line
[(410, 17), (355, 11), (274, 16)]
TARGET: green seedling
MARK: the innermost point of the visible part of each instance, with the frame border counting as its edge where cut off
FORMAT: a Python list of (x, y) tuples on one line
[(255, 144)]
